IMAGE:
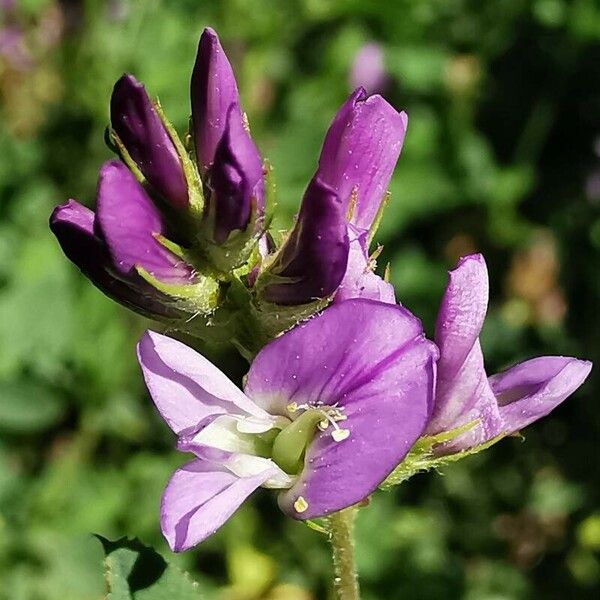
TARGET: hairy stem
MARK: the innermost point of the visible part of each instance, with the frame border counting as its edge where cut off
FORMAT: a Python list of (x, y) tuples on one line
[(341, 527)]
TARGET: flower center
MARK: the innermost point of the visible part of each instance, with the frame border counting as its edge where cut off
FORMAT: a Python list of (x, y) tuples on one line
[(290, 444)]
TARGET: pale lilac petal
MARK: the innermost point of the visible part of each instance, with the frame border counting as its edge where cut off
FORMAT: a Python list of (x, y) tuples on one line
[(461, 314), (360, 151), (532, 389), (372, 360), (359, 280), (128, 221), (464, 398), (463, 393), (186, 388), (199, 498)]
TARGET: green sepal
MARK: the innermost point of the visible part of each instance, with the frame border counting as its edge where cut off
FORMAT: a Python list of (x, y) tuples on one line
[(190, 172), (421, 456), (316, 526), (235, 252), (125, 156), (274, 319), (270, 193), (239, 252), (201, 296), (378, 217)]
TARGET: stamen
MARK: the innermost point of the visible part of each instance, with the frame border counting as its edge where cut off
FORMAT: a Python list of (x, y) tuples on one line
[(323, 425), (301, 505), (292, 407), (339, 435)]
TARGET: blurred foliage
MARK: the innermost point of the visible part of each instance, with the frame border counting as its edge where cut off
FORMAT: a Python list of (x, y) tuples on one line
[(502, 156)]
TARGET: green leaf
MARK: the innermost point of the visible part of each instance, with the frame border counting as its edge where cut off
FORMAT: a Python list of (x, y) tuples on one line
[(136, 572), (28, 407)]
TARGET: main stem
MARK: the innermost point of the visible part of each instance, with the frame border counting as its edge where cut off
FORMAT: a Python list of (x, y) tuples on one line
[(341, 527)]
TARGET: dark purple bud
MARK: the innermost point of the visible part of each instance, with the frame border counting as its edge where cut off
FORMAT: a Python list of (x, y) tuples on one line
[(236, 178), (315, 255), (360, 152), (213, 91), (73, 226), (139, 127), (129, 223)]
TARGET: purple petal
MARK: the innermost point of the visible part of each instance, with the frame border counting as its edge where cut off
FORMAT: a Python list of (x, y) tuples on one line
[(315, 255), (461, 314), (213, 91), (463, 393), (199, 498), (186, 388), (368, 69), (73, 226), (372, 360), (236, 178), (360, 151), (128, 221), (143, 134), (532, 389), (464, 398), (359, 280)]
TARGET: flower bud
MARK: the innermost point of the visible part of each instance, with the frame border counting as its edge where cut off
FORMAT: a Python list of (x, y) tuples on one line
[(360, 152), (73, 226), (311, 263), (213, 91), (142, 133), (236, 179)]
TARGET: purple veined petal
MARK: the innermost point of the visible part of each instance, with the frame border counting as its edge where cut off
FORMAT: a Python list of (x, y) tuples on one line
[(73, 226), (532, 389), (140, 129), (199, 498), (360, 151), (372, 361), (461, 315), (213, 90), (236, 178), (186, 388), (359, 280), (464, 398), (315, 255), (127, 220), (463, 393), (368, 69)]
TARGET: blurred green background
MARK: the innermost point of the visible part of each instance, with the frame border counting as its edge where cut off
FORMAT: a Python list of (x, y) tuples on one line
[(502, 156)]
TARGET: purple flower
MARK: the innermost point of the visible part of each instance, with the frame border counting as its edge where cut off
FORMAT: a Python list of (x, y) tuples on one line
[(213, 91), (368, 69), (141, 131), (322, 422), (501, 404), (312, 262), (236, 179), (358, 157), (73, 225), (226, 155), (359, 153), (121, 241)]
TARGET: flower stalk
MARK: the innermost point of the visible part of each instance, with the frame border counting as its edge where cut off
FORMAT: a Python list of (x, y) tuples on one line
[(341, 537)]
